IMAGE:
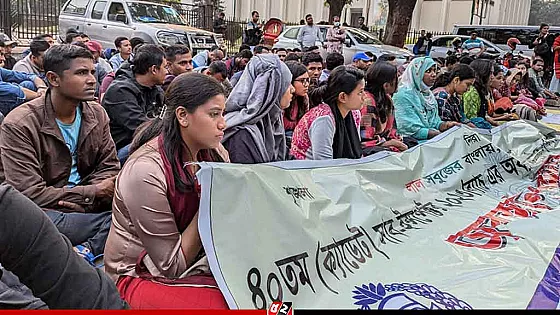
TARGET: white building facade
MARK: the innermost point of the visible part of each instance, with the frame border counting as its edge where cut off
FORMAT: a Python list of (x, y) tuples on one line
[(296, 10), (432, 15), (441, 15)]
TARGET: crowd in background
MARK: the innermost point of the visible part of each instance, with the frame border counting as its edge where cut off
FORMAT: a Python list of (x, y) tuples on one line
[(106, 142)]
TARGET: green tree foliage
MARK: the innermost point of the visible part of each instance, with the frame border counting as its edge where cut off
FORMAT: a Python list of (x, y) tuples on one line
[(382, 9), (545, 11)]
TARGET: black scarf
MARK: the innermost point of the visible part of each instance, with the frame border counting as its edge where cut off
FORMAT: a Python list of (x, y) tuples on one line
[(346, 142)]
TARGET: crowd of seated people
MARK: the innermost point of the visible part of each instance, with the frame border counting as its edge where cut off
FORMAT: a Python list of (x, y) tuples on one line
[(102, 145)]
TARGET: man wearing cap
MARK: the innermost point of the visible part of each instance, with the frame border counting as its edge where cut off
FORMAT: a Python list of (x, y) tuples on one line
[(8, 45), (100, 71), (96, 49), (361, 61)]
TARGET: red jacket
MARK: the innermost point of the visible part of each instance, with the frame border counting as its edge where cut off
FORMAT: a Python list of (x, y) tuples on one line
[(556, 57)]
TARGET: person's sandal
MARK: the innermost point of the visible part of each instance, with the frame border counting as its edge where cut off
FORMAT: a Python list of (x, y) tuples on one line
[(86, 254)]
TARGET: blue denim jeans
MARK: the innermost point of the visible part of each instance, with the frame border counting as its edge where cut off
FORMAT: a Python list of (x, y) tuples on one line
[(11, 100), (88, 229), (123, 154)]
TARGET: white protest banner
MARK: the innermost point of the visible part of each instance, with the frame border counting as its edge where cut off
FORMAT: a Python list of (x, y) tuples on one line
[(464, 221)]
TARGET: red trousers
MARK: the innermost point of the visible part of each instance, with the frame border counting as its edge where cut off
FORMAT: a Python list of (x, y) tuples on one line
[(145, 294)]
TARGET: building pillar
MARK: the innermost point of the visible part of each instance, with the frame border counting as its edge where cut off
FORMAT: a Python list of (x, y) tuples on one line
[(508, 12), (319, 10), (518, 13), (445, 4), (526, 10), (417, 15), (267, 11), (512, 15), (300, 10), (366, 12), (284, 11)]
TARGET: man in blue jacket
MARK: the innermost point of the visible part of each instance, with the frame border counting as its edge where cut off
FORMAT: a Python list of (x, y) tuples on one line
[(17, 87)]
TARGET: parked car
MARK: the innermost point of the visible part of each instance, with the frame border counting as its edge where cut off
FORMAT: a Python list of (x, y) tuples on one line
[(499, 34), (442, 44), (356, 40), (105, 20)]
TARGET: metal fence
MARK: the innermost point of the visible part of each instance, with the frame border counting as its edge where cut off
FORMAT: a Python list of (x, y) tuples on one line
[(233, 35), (413, 35), (25, 19)]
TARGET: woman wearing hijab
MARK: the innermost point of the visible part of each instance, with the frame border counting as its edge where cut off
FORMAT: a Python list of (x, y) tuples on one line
[(255, 130), (331, 129), (416, 108), (154, 252)]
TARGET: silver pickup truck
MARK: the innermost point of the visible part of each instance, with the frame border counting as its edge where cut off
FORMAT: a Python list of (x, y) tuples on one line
[(105, 20)]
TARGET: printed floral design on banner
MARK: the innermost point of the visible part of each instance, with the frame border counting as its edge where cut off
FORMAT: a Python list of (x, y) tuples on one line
[(410, 296)]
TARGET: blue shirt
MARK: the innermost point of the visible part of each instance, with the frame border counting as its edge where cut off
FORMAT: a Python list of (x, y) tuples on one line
[(11, 94), (308, 35), (472, 44), (235, 78), (201, 59), (324, 75), (116, 61), (71, 134)]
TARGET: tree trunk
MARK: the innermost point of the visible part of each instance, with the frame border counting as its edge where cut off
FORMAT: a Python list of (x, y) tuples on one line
[(335, 8), (398, 21)]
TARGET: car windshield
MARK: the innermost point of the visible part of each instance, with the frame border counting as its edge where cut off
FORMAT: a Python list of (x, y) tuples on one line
[(364, 38), (154, 13)]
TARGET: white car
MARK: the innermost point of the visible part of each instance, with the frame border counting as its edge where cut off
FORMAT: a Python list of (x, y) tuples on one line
[(442, 44), (356, 41)]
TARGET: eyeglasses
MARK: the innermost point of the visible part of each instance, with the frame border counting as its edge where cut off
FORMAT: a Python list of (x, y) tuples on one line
[(304, 80)]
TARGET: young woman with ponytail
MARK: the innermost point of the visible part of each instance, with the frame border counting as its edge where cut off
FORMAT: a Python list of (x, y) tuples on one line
[(154, 252)]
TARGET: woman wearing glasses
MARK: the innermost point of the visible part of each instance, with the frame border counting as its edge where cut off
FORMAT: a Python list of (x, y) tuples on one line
[(300, 100), (416, 108)]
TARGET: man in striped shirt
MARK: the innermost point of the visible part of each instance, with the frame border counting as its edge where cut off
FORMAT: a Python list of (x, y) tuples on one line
[(474, 45)]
